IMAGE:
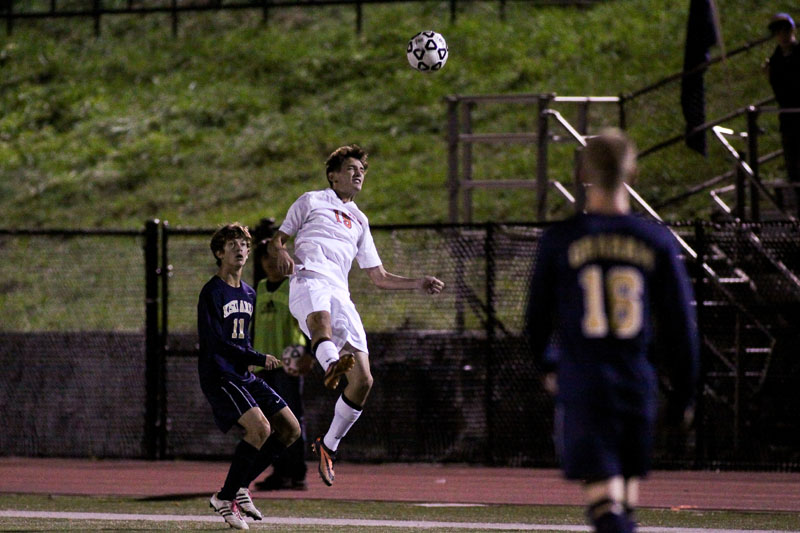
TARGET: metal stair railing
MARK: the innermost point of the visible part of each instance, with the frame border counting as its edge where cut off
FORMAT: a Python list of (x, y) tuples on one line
[(719, 133), (461, 138), (581, 139), (691, 191), (718, 280), (755, 240)]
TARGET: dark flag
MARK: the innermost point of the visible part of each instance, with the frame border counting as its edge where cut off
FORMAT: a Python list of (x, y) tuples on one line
[(701, 34)]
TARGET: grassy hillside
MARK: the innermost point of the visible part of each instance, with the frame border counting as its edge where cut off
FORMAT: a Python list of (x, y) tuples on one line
[(233, 118)]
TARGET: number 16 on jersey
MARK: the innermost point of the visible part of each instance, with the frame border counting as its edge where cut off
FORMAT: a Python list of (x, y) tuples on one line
[(612, 301)]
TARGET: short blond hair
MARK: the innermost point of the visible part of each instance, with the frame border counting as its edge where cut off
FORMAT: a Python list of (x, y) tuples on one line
[(609, 159)]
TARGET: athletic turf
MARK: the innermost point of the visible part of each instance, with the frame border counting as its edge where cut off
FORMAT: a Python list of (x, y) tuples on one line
[(346, 516)]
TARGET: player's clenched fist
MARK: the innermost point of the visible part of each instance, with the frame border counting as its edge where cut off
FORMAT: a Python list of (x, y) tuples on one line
[(432, 285)]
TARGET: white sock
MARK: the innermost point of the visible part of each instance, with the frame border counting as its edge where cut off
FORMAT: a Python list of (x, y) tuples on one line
[(344, 417), (326, 354)]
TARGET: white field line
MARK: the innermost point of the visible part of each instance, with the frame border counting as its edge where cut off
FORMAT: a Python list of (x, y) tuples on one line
[(352, 522)]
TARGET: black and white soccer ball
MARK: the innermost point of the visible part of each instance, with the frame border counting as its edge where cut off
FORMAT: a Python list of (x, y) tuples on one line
[(427, 51), (296, 360)]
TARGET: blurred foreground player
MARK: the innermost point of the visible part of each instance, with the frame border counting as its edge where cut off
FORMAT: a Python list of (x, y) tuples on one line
[(599, 280), (237, 397), (330, 231)]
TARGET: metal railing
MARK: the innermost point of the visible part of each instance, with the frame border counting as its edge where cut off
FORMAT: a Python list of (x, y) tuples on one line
[(461, 138), (721, 285), (744, 171), (174, 8), (627, 98)]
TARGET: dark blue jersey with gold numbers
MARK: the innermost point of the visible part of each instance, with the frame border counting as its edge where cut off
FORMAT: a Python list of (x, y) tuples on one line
[(224, 314), (599, 282)]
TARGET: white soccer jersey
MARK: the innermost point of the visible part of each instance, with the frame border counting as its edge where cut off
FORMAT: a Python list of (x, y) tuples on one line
[(329, 234)]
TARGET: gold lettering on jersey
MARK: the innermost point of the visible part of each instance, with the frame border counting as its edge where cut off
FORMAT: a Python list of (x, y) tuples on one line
[(611, 247), (237, 306)]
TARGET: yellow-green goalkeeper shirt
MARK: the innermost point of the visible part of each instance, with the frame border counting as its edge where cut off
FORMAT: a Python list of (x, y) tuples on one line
[(274, 326)]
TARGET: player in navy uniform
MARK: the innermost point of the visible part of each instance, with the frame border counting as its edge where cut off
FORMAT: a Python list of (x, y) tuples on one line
[(599, 280), (237, 397)]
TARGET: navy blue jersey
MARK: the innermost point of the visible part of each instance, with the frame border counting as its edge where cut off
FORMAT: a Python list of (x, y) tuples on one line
[(224, 314), (599, 281)]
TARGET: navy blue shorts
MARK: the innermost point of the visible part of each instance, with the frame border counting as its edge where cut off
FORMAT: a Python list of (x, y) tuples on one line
[(230, 399), (595, 443)]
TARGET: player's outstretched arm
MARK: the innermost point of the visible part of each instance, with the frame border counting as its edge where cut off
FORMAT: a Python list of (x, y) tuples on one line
[(388, 281), (279, 256)]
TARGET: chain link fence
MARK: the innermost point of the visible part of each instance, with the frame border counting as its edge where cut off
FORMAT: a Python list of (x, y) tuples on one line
[(72, 343), (15, 12), (453, 381)]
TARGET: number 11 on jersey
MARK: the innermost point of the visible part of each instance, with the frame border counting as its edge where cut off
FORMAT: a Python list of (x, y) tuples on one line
[(238, 328)]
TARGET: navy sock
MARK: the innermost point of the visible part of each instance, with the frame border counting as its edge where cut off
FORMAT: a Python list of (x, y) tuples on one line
[(609, 517), (266, 455), (613, 523), (630, 512), (243, 459)]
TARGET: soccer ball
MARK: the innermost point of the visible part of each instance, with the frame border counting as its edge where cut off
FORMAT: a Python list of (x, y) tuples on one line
[(427, 51), (296, 361)]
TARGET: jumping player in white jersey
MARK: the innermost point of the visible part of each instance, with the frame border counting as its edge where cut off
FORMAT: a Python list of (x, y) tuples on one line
[(330, 231)]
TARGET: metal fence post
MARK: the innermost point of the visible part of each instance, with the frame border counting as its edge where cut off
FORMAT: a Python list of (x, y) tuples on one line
[(174, 18), (752, 149), (96, 8), (453, 179), (152, 339), (623, 118), (491, 323), (583, 129), (165, 271), (741, 187), (466, 160), (9, 9), (700, 299), (541, 158)]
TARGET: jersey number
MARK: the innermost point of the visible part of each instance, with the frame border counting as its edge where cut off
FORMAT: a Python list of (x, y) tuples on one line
[(238, 328), (622, 289), (345, 219)]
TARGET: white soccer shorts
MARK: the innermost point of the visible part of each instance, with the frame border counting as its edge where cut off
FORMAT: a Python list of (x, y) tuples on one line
[(310, 292)]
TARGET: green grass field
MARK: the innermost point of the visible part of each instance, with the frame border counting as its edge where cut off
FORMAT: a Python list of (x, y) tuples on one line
[(233, 118), (557, 516)]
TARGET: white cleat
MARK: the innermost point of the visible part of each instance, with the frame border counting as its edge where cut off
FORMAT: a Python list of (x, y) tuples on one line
[(246, 504), (229, 510)]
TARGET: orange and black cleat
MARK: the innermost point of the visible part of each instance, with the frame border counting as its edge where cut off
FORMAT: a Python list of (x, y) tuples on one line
[(326, 460), (336, 370)]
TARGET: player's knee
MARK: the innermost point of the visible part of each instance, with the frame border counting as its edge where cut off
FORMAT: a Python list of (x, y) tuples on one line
[(292, 434), (362, 383), (258, 434), (319, 325)]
